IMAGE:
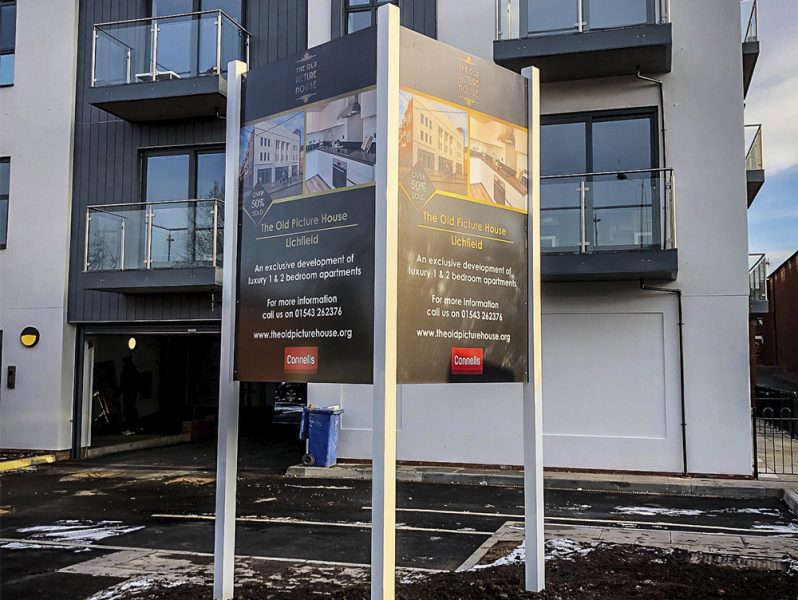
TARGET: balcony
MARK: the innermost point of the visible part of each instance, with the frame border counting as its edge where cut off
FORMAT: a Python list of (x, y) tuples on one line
[(608, 226), (165, 67), (750, 26), (754, 165), (580, 39), (154, 247), (757, 284)]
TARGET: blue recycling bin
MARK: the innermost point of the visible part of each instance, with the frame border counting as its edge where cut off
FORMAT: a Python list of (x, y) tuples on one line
[(320, 428)]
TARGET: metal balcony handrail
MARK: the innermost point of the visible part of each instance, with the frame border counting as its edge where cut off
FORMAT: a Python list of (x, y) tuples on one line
[(664, 206), (753, 154), (154, 202), (757, 277), (155, 68), (752, 26), (175, 16), (504, 14), (600, 173), (149, 225)]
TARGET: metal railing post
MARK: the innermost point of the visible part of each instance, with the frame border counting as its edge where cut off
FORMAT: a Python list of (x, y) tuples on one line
[(580, 16), (582, 217), (498, 17), (756, 450), (219, 43), (122, 246), (86, 242), (215, 231), (127, 76), (94, 57), (148, 239), (154, 61)]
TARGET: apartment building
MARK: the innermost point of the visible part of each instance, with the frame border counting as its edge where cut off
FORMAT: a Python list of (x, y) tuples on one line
[(37, 346), (645, 296), (644, 180)]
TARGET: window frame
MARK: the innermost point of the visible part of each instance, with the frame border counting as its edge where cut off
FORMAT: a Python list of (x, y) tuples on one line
[(370, 7), (7, 198), (588, 118), (10, 50), (193, 153)]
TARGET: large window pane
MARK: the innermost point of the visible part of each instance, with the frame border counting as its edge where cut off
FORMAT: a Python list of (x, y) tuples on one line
[(5, 177), (164, 8), (604, 14), (3, 222), (358, 20), (622, 145), (8, 26), (6, 69), (167, 178), (231, 7), (178, 46), (563, 149), (210, 175), (552, 15)]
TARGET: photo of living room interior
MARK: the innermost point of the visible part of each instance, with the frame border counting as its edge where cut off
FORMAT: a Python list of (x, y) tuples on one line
[(498, 171), (341, 147)]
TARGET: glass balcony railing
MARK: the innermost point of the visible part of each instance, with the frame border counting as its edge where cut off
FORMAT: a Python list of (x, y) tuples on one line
[(753, 145), (601, 212), (757, 277), (750, 20), (523, 18), (154, 235), (174, 47)]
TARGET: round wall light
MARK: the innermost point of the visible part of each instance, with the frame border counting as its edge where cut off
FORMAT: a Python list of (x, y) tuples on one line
[(29, 337), (131, 343)]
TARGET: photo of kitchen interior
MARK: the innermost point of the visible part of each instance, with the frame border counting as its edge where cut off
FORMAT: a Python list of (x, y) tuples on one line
[(434, 137), (273, 157), (341, 147), (498, 170)]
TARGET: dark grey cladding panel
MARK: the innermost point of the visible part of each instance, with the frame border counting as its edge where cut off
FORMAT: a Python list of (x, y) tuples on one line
[(107, 153)]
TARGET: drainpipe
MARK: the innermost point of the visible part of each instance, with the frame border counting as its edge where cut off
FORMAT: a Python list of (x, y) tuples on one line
[(662, 114), (678, 294)]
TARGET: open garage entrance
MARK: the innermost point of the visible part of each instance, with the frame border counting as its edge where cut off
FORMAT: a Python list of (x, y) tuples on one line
[(155, 391)]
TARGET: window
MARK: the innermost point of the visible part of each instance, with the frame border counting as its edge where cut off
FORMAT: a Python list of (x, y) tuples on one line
[(183, 175), (5, 172), (8, 34), (601, 189), (360, 14)]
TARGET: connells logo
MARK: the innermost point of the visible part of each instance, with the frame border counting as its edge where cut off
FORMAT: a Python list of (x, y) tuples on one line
[(306, 77), (304, 359), (467, 361), (468, 81)]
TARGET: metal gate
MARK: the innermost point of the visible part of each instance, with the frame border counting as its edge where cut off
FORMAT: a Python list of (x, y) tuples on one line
[(775, 429)]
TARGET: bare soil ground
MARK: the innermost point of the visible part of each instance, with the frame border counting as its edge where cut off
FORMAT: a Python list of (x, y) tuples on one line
[(607, 572)]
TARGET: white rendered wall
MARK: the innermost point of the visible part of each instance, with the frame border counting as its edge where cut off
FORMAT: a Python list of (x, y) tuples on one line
[(36, 120), (611, 351)]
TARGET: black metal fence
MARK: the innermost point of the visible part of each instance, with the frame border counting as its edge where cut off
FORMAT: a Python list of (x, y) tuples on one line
[(775, 429)]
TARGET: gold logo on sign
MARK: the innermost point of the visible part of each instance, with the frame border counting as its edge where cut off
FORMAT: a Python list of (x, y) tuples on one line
[(468, 81)]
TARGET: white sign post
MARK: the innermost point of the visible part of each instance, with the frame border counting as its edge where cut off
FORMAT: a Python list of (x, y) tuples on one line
[(227, 443), (533, 391), (383, 486)]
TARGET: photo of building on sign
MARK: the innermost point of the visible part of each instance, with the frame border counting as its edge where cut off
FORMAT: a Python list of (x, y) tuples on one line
[(274, 155), (341, 149), (433, 138), (498, 164)]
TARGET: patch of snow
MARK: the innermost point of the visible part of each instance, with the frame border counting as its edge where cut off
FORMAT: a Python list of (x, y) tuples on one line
[(565, 549), (576, 507), (262, 500), (516, 556), (22, 546), (789, 528), (656, 511), (765, 512), (131, 585), (320, 487), (79, 531)]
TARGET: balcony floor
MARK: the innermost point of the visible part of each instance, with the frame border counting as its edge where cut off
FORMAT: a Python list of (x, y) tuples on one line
[(154, 281), (600, 53), (163, 100), (627, 265)]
